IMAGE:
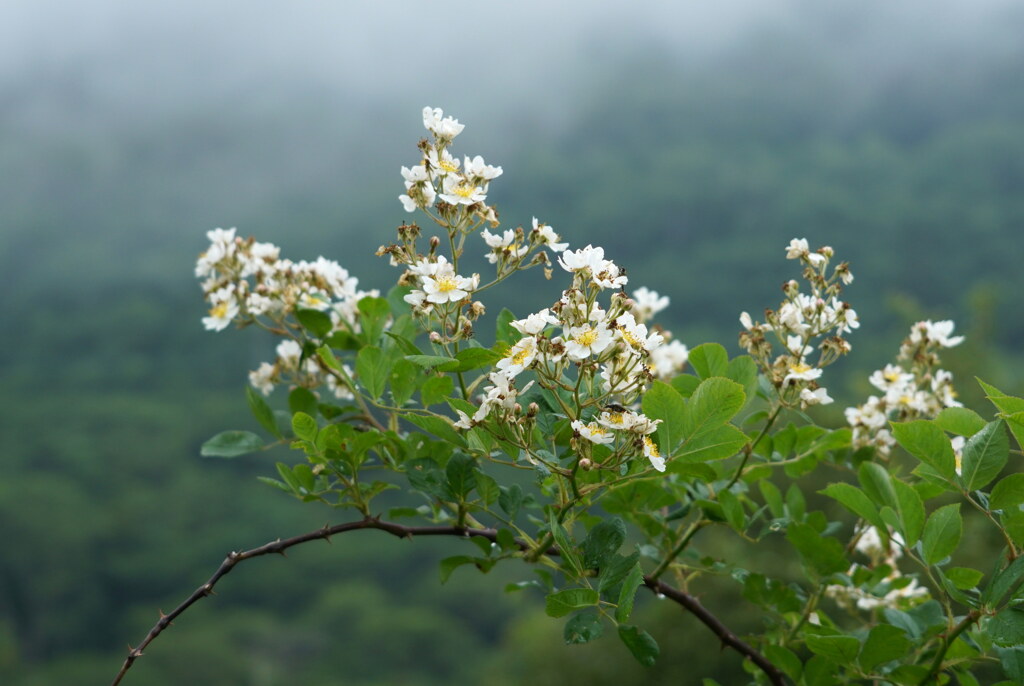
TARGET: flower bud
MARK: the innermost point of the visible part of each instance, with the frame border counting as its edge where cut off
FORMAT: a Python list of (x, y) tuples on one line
[(586, 464), (435, 337)]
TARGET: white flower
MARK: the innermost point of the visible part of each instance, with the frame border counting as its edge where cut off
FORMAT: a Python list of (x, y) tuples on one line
[(635, 335), (608, 275), (958, 453), (583, 341), (593, 432), (669, 359), (445, 127), (746, 321), (289, 353), (801, 371), (588, 258), (545, 235), (796, 347), (797, 248), (648, 303), (939, 332), (465, 421), (459, 191), (890, 377), (262, 379), (476, 168), (415, 175), (447, 287), (816, 397), (535, 323), (224, 308), (339, 389), (519, 357), (652, 453), (627, 420), (503, 245)]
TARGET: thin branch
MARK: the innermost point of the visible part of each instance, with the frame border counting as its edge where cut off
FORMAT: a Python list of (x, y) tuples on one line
[(279, 546)]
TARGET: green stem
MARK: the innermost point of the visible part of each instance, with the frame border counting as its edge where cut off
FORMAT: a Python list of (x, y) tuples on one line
[(679, 547), (936, 667), (748, 449)]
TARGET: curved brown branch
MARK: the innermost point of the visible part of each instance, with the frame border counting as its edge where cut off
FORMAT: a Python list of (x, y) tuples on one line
[(279, 546)]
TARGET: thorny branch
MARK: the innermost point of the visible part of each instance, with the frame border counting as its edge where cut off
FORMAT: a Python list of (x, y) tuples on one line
[(687, 601)]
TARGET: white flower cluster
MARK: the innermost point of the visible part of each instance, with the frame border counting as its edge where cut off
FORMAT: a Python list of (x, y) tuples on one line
[(247, 282), (633, 429), (800, 319), (894, 591), (914, 388), (438, 174)]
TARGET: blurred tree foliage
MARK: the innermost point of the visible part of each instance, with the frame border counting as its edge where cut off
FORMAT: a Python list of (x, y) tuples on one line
[(694, 179)]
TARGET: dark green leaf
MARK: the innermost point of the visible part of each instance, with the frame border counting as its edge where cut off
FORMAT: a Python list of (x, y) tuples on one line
[(1012, 662), (264, 415), (439, 426), (506, 333), (510, 500), (716, 444), (615, 570), (460, 473), (663, 402), (372, 366), (404, 344), (786, 660), (640, 643), (231, 444), (855, 501), (842, 649), (475, 358), (964, 578), (824, 555), (1006, 629), (403, 378), (488, 489), (315, 322), (1006, 580), (302, 400), (569, 600), (885, 643), (910, 509), (732, 509), (450, 564), (444, 364), (564, 544), (942, 533), (583, 628), (603, 540), (373, 313), (627, 594)]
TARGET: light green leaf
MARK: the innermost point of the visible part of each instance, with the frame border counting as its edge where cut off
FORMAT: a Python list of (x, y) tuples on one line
[(373, 313), (315, 322), (709, 359), (942, 533), (884, 644), (436, 389), (475, 358), (717, 444), (231, 444), (450, 564), (372, 366), (442, 363), (663, 402), (964, 578), (928, 443), (439, 426), (713, 404), (1008, 493), (302, 400), (842, 649), (855, 501), (403, 377), (960, 421), (304, 426)]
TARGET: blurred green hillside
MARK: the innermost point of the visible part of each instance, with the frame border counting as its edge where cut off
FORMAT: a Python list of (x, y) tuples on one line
[(695, 179)]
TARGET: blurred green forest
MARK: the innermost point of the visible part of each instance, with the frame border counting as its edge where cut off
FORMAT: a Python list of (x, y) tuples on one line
[(694, 179)]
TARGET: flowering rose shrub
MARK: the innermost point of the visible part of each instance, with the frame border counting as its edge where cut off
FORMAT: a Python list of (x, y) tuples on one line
[(586, 440)]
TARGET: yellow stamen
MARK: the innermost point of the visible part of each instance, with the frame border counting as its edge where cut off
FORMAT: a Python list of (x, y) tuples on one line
[(630, 338), (219, 310), (586, 338), (464, 190), (446, 284), (652, 447)]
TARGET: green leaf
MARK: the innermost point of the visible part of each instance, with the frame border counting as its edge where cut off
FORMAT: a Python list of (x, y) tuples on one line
[(824, 555), (475, 358), (786, 660), (842, 649), (583, 628), (569, 600), (984, 456), (374, 313), (709, 359), (264, 415), (743, 370), (910, 509), (1006, 629), (960, 421), (439, 426), (964, 578), (436, 389), (404, 344), (603, 540), (565, 545), (877, 483), (231, 444), (717, 444), (1006, 580), (372, 366), (615, 569), (442, 363), (511, 499), (928, 443), (819, 671), (460, 473), (640, 643), (304, 426), (628, 593), (426, 476), (854, 500), (663, 402), (302, 400), (884, 644), (315, 322), (1009, 492), (732, 508), (506, 333), (1016, 423), (942, 533), (713, 404), (686, 384), (488, 489), (403, 378), (1012, 662), (450, 564)]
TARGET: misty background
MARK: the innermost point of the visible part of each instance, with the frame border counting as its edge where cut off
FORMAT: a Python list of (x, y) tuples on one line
[(692, 142)]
